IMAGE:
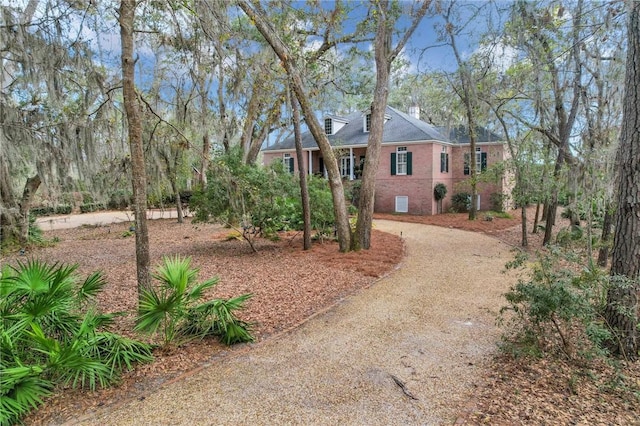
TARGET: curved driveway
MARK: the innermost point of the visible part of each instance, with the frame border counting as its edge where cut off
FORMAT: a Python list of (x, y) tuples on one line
[(405, 351)]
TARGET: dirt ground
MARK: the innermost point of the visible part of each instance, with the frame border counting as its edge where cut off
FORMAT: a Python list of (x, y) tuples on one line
[(291, 285)]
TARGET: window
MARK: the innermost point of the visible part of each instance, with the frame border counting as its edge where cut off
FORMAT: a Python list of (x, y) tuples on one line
[(345, 166), (328, 126), (481, 161), (367, 123), (287, 160), (444, 160), (402, 204), (401, 161)]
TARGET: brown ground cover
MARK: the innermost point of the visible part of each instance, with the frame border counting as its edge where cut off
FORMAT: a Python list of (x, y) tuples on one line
[(289, 286)]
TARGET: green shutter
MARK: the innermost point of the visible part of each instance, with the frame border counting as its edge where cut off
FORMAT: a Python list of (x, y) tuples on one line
[(483, 161), (291, 166), (393, 164), (409, 163), (466, 163)]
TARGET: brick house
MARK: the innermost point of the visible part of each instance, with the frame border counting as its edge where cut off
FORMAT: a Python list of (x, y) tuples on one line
[(415, 156)]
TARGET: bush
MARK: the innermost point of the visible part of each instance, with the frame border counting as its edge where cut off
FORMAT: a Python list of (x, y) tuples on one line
[(119, 200), (64, 209), (48, 210), (321, 203), (557, 309), (171, 308), (259, 201), (42, 211), (461, 202), (53, 335), (92, 207), (498, 200), (352, 190), (439, 191)]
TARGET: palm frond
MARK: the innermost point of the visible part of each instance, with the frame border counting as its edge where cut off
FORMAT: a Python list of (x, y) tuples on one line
[(92, 286), (120, 353), (197, 292), (176, 273), (72, 367), (21, 390)]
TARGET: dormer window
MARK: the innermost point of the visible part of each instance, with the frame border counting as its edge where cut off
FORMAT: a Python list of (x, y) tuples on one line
[(328, 126), (366, 125)]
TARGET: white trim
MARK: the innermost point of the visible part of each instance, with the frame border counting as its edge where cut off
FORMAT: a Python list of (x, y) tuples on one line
[(351, 161), (405, 162)]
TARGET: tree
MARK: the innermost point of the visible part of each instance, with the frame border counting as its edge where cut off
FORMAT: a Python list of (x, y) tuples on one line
[(552, 45), (302, 175), (295, 71), (622, 310), (57, 120), (469, 97), (139, 177), (386, 16)]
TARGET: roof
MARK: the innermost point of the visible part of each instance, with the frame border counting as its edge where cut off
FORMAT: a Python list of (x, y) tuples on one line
[(400, 127), (460, 134)]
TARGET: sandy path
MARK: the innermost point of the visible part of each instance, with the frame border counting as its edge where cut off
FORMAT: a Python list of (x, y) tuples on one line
[(49, 223), (428, 324)]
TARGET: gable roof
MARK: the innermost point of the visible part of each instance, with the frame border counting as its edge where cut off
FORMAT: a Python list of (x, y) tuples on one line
[(399, 127)]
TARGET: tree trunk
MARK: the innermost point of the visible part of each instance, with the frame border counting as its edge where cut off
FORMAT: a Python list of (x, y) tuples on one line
[(366, 200), (8, 209), (139, 177), (204, 164), (176, 193), (385, 54), (622, 311), (552, 202), (605, 238), (523, 215), (536, 222), (304, 189), (30, 188)]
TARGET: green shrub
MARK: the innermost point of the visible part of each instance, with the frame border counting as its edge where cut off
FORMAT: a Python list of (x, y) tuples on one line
[(64, 209), (171, 308), (51, 334), (461, 202), (498, 201), (439, 191), (352, 192), (119, 200), (557, 309), (91, 207), (259, 201), (42, 211)]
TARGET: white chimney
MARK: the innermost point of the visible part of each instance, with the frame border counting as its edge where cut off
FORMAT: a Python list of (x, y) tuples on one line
[(414, 111)]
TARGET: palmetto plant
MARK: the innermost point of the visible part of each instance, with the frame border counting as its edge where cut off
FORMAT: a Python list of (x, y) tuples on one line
[(49, 335), (172, 307)]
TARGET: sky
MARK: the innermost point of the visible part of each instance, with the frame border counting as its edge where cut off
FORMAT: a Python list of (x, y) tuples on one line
[(424, 50)]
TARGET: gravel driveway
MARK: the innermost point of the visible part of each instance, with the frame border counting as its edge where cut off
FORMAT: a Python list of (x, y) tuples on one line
[(405, 351)]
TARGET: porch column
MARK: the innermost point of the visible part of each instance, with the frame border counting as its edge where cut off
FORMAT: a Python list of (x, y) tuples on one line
[(310, 163), (351, 164)]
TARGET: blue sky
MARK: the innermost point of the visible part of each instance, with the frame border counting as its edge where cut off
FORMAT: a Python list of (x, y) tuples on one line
[(435, 57)]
